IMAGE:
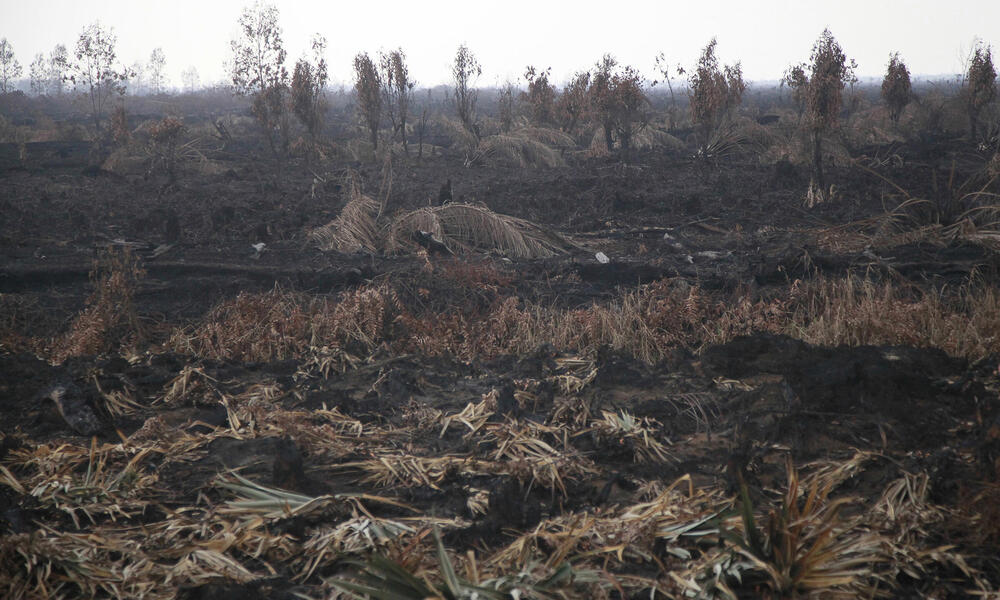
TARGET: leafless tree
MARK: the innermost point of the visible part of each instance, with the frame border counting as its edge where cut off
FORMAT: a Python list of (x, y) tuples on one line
[(10, 69), (368, 85), (39, 75), (464, 72), (397, 90), (136, 84), (258, 69), (667, 74), (95, 71), (157, 63), (190, 79)]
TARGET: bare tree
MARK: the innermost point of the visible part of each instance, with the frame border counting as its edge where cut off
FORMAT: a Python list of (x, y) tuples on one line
[(667, 73), (10, 69), (95, 70), (308, 85), (258, 68), (58, 65), (136, 84), (464, 72), (397, 90), (980, 84), (896, 87), (39, 75), (368, 85), (830, 72), (157, 64), (190, 79)]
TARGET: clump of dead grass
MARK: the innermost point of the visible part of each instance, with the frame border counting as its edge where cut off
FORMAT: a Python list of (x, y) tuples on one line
[(854, 311), (109, 318), (279, 325)]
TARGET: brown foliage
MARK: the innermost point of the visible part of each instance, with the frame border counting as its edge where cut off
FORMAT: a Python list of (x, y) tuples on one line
[(714, 92), (829, 74), (165, 136), (397, 90), (464, 72), (278, 325), (368, 85), (830, 71), (120, 131), (617, 100), (572, 105), (308, 83), (541, 95), (797, 81), (109, 318), (896, 87), (980, 84)]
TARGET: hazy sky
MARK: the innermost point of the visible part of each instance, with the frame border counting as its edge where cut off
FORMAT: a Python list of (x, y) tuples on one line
[(766, 36)]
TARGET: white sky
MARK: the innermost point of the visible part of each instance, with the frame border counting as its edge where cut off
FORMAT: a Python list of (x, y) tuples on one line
[(766, 36)]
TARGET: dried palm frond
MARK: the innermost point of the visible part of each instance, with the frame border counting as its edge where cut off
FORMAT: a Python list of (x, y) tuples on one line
[(465, 227), (353, 230), (473, 416), (204, 565), (515, 150), (356, 535), (393, 469), (906, 515), (100, 491), (382, 578), (522, 452), (805, 547), (625, 429), (701, 407), (47, 564), (255, 500), (454, 129), (651, 137)]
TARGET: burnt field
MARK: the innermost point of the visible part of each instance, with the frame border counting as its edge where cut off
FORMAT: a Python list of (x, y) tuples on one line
[(524, 367)]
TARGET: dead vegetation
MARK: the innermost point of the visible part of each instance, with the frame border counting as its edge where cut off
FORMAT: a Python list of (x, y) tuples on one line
[(394, 396), (456, 227)]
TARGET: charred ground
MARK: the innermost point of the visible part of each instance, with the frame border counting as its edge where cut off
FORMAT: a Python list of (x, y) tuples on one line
[(538, 412)]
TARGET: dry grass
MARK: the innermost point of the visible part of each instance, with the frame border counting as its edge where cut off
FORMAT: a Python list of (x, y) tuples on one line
[(648, 323), (277, 325), (852, 311), (109, 317)]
